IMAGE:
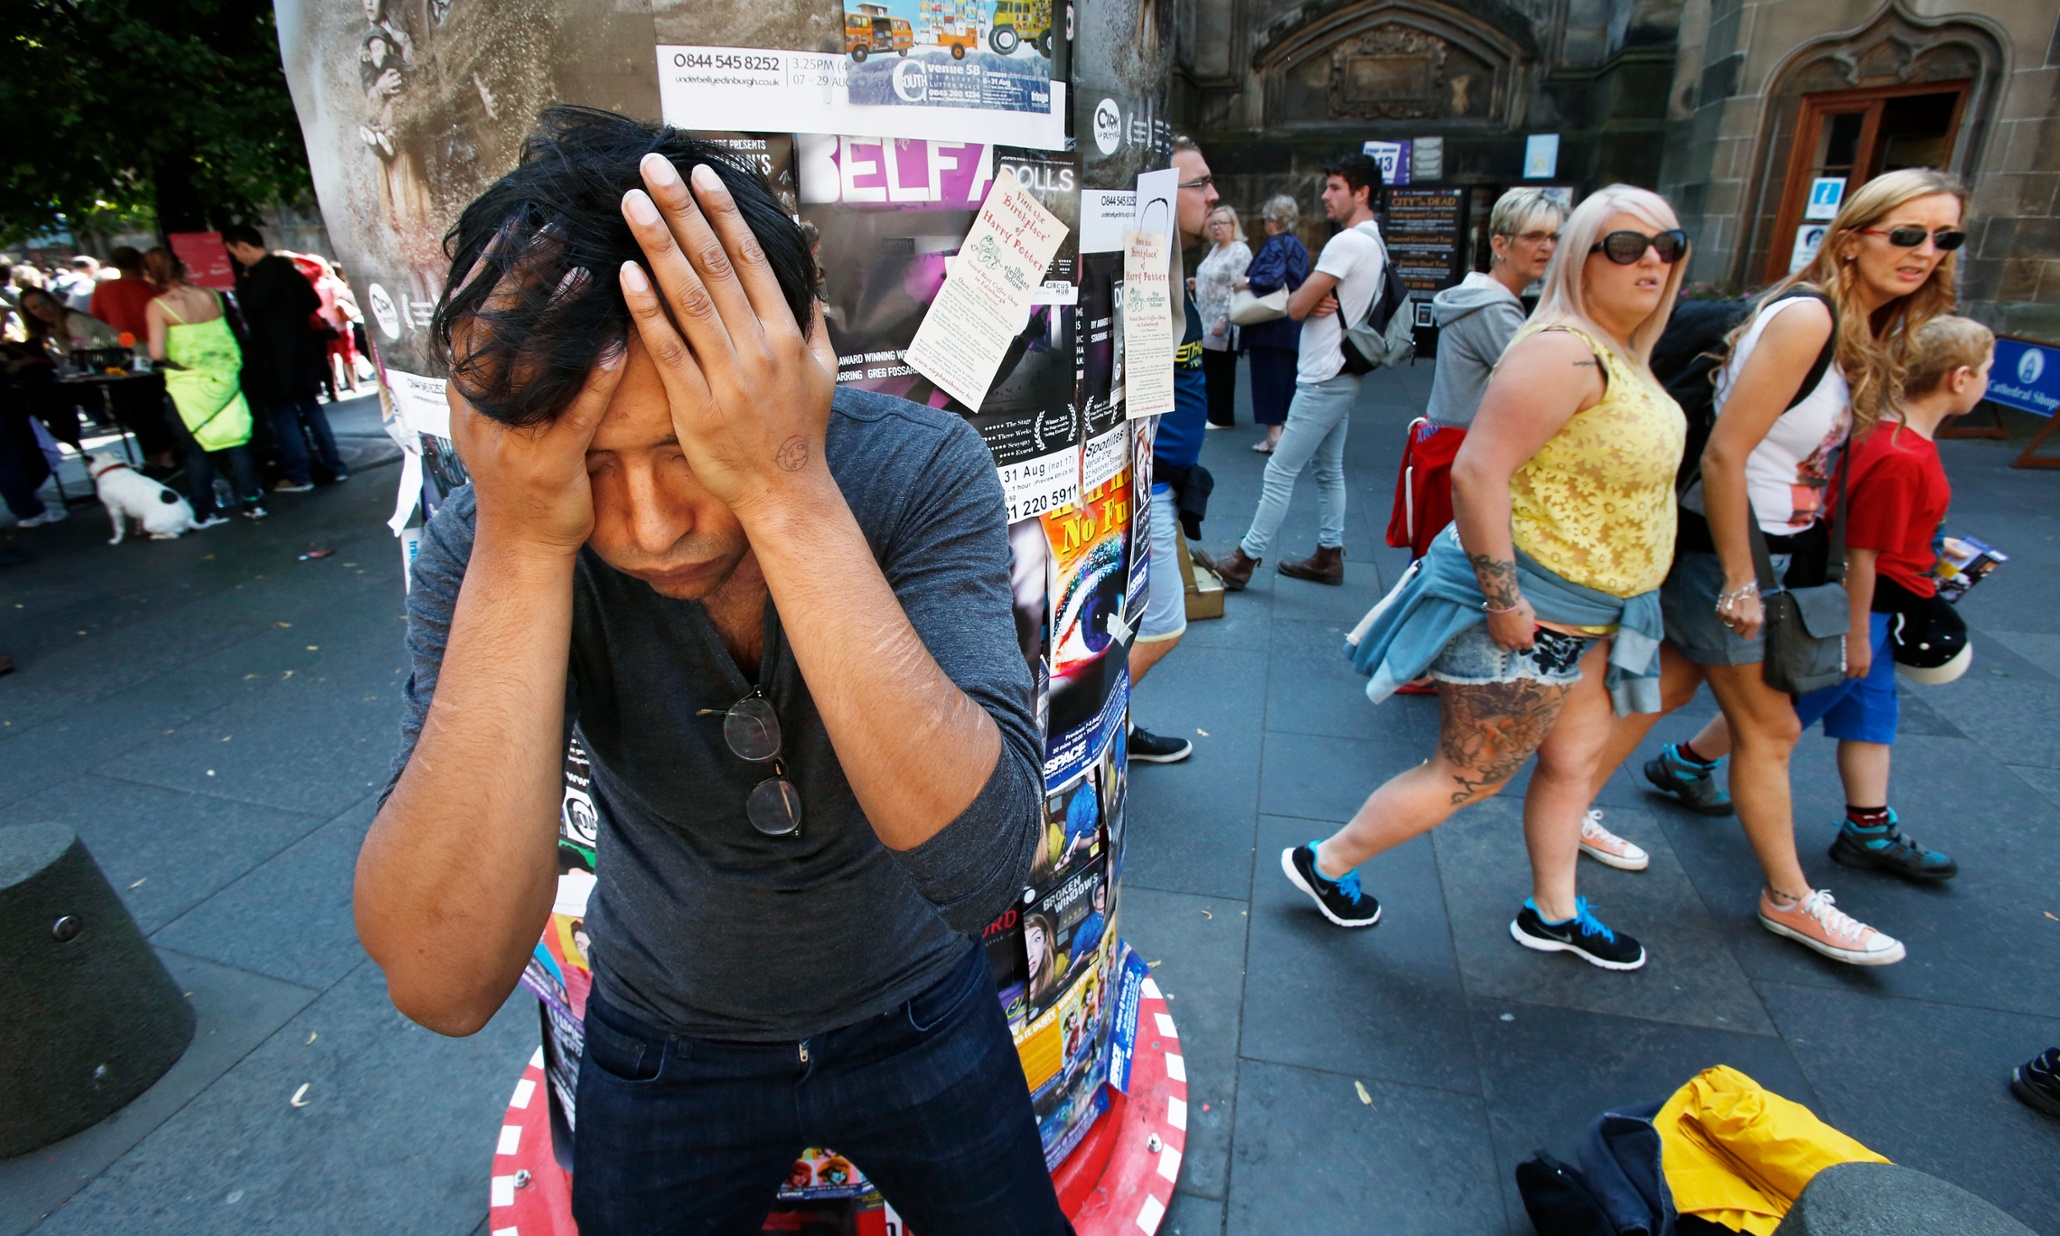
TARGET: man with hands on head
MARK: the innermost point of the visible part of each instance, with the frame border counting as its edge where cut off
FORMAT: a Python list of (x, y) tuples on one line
[(780, 616)]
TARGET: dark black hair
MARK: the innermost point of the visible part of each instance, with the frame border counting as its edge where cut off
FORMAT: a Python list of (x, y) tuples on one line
[(1359, 171), (242, 234), (126, 258), (534, 259)]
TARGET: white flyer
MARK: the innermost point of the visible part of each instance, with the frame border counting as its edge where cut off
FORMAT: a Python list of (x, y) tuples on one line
[(1147, 326), (987, 295), (920, 93), (1039, 486), (1105, 214), (1103, 458), (1156, 204)]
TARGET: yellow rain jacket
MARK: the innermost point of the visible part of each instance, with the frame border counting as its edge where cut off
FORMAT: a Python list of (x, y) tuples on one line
[(1737, 1154)]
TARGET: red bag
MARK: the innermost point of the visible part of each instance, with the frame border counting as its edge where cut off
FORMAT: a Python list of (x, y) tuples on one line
[(1423, 486)]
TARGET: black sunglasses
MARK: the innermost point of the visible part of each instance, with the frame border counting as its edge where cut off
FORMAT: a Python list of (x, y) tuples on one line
[(1625, 248), (1946, 238)]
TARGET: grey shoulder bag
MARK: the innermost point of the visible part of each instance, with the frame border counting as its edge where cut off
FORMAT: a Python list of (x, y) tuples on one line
[(1805, 627)]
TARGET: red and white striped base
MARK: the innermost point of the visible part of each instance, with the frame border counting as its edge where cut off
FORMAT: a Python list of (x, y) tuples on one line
[(1119, 1180)]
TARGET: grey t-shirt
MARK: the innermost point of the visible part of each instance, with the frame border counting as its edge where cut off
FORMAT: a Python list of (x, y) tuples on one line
[(700, 924)]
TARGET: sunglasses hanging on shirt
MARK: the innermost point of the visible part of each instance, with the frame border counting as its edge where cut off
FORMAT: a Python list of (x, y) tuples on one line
[(751, 730), (1626, 248)]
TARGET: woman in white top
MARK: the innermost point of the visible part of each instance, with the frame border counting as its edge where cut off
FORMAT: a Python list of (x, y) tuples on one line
[(1215, 284), (1886, 266)]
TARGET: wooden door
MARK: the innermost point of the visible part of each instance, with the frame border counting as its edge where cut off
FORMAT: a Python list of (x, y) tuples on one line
[(1854, 135)]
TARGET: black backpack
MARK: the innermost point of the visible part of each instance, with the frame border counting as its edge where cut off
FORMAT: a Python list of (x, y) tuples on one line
[(1692, 349)]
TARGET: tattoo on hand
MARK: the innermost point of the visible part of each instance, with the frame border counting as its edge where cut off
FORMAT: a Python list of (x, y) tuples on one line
[(1590, 363), (1497, 578), (793, 454)]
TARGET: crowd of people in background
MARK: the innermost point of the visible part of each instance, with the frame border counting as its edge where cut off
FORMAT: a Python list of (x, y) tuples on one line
[(222, 386), (1590, 546), (1593, 539)]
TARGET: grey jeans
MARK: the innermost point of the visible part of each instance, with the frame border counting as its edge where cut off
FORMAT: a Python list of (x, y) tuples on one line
[(1314, 438)]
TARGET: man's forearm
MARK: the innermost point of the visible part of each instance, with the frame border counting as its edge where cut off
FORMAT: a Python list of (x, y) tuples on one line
[(1303, 300), (456, 878), (916, 749)]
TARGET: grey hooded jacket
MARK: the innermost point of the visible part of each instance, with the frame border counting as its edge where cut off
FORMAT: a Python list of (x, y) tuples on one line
[(1476, 318)]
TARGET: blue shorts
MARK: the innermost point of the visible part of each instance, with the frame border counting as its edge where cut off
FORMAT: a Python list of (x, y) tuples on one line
[(1858, 709)]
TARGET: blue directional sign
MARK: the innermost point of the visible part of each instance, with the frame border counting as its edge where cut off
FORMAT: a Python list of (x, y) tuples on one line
[(2026, 376)]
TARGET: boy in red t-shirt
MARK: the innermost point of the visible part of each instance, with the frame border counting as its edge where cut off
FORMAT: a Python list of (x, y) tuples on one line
[(1898, 499)]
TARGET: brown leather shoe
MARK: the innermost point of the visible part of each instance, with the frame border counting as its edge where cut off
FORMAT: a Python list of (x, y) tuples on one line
[(1325, 566), (1233, 568)]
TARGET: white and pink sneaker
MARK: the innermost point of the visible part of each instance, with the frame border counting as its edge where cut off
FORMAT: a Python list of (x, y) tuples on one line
[(1607, 848), (1818, 923)]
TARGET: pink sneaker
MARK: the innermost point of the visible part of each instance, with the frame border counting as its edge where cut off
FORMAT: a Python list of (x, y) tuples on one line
[(1607, 848), (1817, 922)]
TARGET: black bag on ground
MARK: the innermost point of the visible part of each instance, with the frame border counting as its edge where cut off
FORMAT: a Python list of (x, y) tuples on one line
[(1557, 1199)]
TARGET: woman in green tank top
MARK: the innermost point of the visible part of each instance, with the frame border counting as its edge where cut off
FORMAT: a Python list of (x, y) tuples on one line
[(190, 338)]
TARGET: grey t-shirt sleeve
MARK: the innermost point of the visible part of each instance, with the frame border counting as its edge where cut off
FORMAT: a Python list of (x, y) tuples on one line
[(948, 563), (433, 581)]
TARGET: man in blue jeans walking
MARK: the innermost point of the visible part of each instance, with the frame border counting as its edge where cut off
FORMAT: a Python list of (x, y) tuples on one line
[(285, 360), (779, 617), (1339, 289)]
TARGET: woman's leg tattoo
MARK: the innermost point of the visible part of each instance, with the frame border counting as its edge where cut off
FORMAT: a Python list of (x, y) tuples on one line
[(1487, 730)]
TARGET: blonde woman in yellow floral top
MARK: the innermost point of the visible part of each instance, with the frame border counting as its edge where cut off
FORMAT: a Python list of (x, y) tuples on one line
[(1539, 606)]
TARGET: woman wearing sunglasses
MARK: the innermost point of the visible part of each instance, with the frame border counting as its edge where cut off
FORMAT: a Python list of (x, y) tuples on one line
[(1539, 608), (1885, 268)]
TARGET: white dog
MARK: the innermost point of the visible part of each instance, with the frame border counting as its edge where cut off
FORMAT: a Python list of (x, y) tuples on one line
[(128, 494)]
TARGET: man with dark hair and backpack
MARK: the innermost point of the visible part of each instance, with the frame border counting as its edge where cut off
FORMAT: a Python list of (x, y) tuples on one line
[(1339, 290)]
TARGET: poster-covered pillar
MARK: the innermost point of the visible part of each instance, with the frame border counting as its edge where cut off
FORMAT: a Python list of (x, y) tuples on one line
[(884, 126)]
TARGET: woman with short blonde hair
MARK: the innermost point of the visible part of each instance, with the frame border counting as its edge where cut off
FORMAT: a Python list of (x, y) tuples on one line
[(1215, 285), (1538, 610), (1476, 318)]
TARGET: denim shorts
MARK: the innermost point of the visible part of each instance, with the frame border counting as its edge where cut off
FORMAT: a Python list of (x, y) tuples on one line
[(1473, 657), (1688, 602), (1165, 607)]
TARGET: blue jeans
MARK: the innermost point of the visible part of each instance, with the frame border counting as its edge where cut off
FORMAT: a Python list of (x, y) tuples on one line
[(680, 1135), (1315, 434), (289, 418)]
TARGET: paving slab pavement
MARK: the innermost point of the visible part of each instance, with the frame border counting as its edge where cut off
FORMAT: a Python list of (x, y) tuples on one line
[(145, 666)]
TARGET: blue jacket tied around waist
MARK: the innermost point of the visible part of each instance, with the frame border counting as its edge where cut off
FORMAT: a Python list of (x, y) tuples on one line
[(1439, 597)]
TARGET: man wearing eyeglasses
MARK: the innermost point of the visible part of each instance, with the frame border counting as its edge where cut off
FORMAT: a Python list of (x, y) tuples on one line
[(1180, 486), (780, 617)]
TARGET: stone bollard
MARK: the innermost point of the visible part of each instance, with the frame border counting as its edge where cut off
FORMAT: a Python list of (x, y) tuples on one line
[(89, 1017), (1881, 1199)]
